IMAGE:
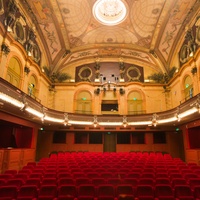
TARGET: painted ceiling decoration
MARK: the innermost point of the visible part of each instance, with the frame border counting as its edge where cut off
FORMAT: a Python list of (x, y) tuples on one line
[(145, 35)]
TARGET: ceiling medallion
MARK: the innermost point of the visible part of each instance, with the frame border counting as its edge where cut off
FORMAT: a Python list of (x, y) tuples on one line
[(110, 12)]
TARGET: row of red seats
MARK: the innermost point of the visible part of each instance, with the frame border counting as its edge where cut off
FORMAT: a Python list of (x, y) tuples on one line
[(87, 192), (193, 182), (119, 174)]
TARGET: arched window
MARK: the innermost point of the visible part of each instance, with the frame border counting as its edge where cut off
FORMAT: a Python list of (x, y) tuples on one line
[(14, 72), (188, 88), (135, 103), (84, 103)]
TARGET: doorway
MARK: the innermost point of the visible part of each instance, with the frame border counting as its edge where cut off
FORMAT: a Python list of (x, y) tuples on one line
[(109, 144)]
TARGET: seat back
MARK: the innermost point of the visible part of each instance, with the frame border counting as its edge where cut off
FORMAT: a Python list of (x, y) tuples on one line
[(8, 192), (49, 191), (144, 191), (105, 190), (182, 191), (27, 191), (15, 182), (123, 190), (197, 192), (163, 191), (67, 191), (82, 181), (33, 181), (86, 190)]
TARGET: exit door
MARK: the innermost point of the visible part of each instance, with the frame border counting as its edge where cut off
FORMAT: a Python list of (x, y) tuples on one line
[(109, 144)]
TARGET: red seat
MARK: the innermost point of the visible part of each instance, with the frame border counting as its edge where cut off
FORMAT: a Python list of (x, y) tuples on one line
[(86, 190), (106, 175), (81, 181), (98, 181), (22, 176), (188, 176), (36, 175), (106, 190), (179, 181), (15, 182), (197, 192), (164, 181), (193, 182), (146, 181), (78, 174), (6, 176), (107, 198), (47, 192), (144, 192), (33, 181), (8, 192), (132, 181), (2, 182), (123, 190), (67, 192), (25, 171), (114, 181), (93, 175), (85, 198), (126, 197), (147, 175), (66, 181), (164, 191), (64, 175), (49, 181), (162, 175), (133, 175), (49, 175), (183, 192), (27, 192)]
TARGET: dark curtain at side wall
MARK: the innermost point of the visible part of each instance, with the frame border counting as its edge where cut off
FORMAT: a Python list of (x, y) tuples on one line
[(23, 137)]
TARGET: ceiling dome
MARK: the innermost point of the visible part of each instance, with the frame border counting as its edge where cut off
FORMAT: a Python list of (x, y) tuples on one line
[(110, 12)]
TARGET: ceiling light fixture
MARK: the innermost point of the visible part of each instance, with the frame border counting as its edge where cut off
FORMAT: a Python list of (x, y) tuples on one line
[(110, 12)]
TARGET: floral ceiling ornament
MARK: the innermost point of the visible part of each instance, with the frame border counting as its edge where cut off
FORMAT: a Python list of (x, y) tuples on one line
[(110, 12)]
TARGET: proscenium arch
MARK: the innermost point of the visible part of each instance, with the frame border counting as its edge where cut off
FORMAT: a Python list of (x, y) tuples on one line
[(94, 55)]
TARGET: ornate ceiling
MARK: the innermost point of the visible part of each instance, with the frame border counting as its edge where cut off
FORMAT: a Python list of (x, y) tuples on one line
[(71, 35)]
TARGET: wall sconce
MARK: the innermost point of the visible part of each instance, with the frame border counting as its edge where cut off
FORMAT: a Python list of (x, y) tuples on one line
[(178, 114), (43, 114), (121, 91), (114, 89), (95, 122), (97, 91), (124, 123), (66, 120), (194, 70), (104, 89), (26, 70), (5, 49), (25, 104), (197, 104), (154, 120)]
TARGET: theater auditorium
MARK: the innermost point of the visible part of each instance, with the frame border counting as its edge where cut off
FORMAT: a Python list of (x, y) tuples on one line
[(99, 100)]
